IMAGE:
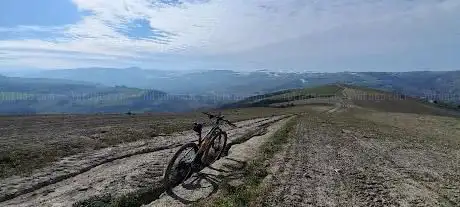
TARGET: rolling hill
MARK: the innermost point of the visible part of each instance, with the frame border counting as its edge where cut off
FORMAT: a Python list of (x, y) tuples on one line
[(127, 89), (39, 95), (336, 94), (442, 85)]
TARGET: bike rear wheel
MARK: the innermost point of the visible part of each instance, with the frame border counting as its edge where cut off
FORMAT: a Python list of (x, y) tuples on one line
[(215, 148), (180, 165)]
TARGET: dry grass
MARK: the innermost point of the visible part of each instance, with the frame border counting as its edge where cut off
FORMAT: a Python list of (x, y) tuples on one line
[(439, 130), (389, 102)]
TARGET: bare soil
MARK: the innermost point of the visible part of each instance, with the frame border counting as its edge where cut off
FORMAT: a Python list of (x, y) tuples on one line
[(362, 158)]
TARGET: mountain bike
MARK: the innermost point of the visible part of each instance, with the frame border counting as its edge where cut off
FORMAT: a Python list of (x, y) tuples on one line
[(197, 156)]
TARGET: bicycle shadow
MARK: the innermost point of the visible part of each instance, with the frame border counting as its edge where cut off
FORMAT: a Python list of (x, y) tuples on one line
[(206, 183)]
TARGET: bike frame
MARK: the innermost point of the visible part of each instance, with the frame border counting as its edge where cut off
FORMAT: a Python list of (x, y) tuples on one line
[(199, 150), (203, 142)]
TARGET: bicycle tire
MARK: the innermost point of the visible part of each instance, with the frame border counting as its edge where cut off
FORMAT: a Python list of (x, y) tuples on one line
[(222, 135), (166, 176)]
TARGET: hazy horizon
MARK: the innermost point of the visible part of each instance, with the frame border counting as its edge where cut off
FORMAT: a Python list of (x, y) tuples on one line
[(4, 71), (240, 35)]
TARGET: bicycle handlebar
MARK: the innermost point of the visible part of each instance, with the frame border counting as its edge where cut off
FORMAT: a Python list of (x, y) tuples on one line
[(219, 117), (211, 116), (230, 123)]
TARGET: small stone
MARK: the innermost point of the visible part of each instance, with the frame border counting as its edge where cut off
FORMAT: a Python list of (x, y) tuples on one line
[(306, 175)]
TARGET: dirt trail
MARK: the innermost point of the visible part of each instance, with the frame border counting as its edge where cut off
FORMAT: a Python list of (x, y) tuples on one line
[(329, 166), (115, 170), (205, 183), (341, 103)]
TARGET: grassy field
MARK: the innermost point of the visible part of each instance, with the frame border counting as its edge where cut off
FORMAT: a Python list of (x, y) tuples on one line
[(287, 97), (389, 102), (305, 93)]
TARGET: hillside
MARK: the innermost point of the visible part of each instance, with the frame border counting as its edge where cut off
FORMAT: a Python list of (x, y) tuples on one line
[(334, 93), (44, 95), (442, 85), (287, 97), (39, 95)]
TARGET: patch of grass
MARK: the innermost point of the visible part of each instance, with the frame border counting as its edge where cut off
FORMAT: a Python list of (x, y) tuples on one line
[(306, 93), (394, 102), (253, 174), (267, 100)]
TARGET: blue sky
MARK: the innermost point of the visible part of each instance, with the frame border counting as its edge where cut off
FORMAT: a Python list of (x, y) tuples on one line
[(41, 12), (333, 35)]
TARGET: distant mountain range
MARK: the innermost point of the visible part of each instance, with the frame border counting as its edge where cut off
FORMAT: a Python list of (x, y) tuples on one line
[(40, 95), (191, 90), (420, 83)]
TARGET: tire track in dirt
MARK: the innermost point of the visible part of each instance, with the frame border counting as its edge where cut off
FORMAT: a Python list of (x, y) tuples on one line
[(282, 160), (389, 165), (127, 172), (318, 172), (227, 169), (308, 179), (296, 165), (74, 165), (326, 166), (80, 171)]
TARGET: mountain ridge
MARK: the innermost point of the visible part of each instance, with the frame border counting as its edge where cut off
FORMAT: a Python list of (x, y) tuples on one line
[(207, 88), (261, 81)]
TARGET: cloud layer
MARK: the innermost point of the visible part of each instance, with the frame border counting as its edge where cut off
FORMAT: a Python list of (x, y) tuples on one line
[(248, 34)]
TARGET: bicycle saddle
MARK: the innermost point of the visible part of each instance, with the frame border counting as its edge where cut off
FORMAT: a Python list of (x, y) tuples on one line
[(197, 127)]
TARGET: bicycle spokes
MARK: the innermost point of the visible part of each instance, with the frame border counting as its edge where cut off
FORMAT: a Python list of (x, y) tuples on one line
[(183, 167)]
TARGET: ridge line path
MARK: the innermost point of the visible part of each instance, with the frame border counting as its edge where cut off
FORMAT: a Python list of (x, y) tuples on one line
[(115, 170), (204, 184)]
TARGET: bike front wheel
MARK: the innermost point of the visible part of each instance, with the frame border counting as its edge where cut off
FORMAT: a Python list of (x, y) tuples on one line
[(180, 166), (215, 148)]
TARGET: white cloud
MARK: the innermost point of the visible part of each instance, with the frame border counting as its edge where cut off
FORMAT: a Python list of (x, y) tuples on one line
[(256, 31)]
